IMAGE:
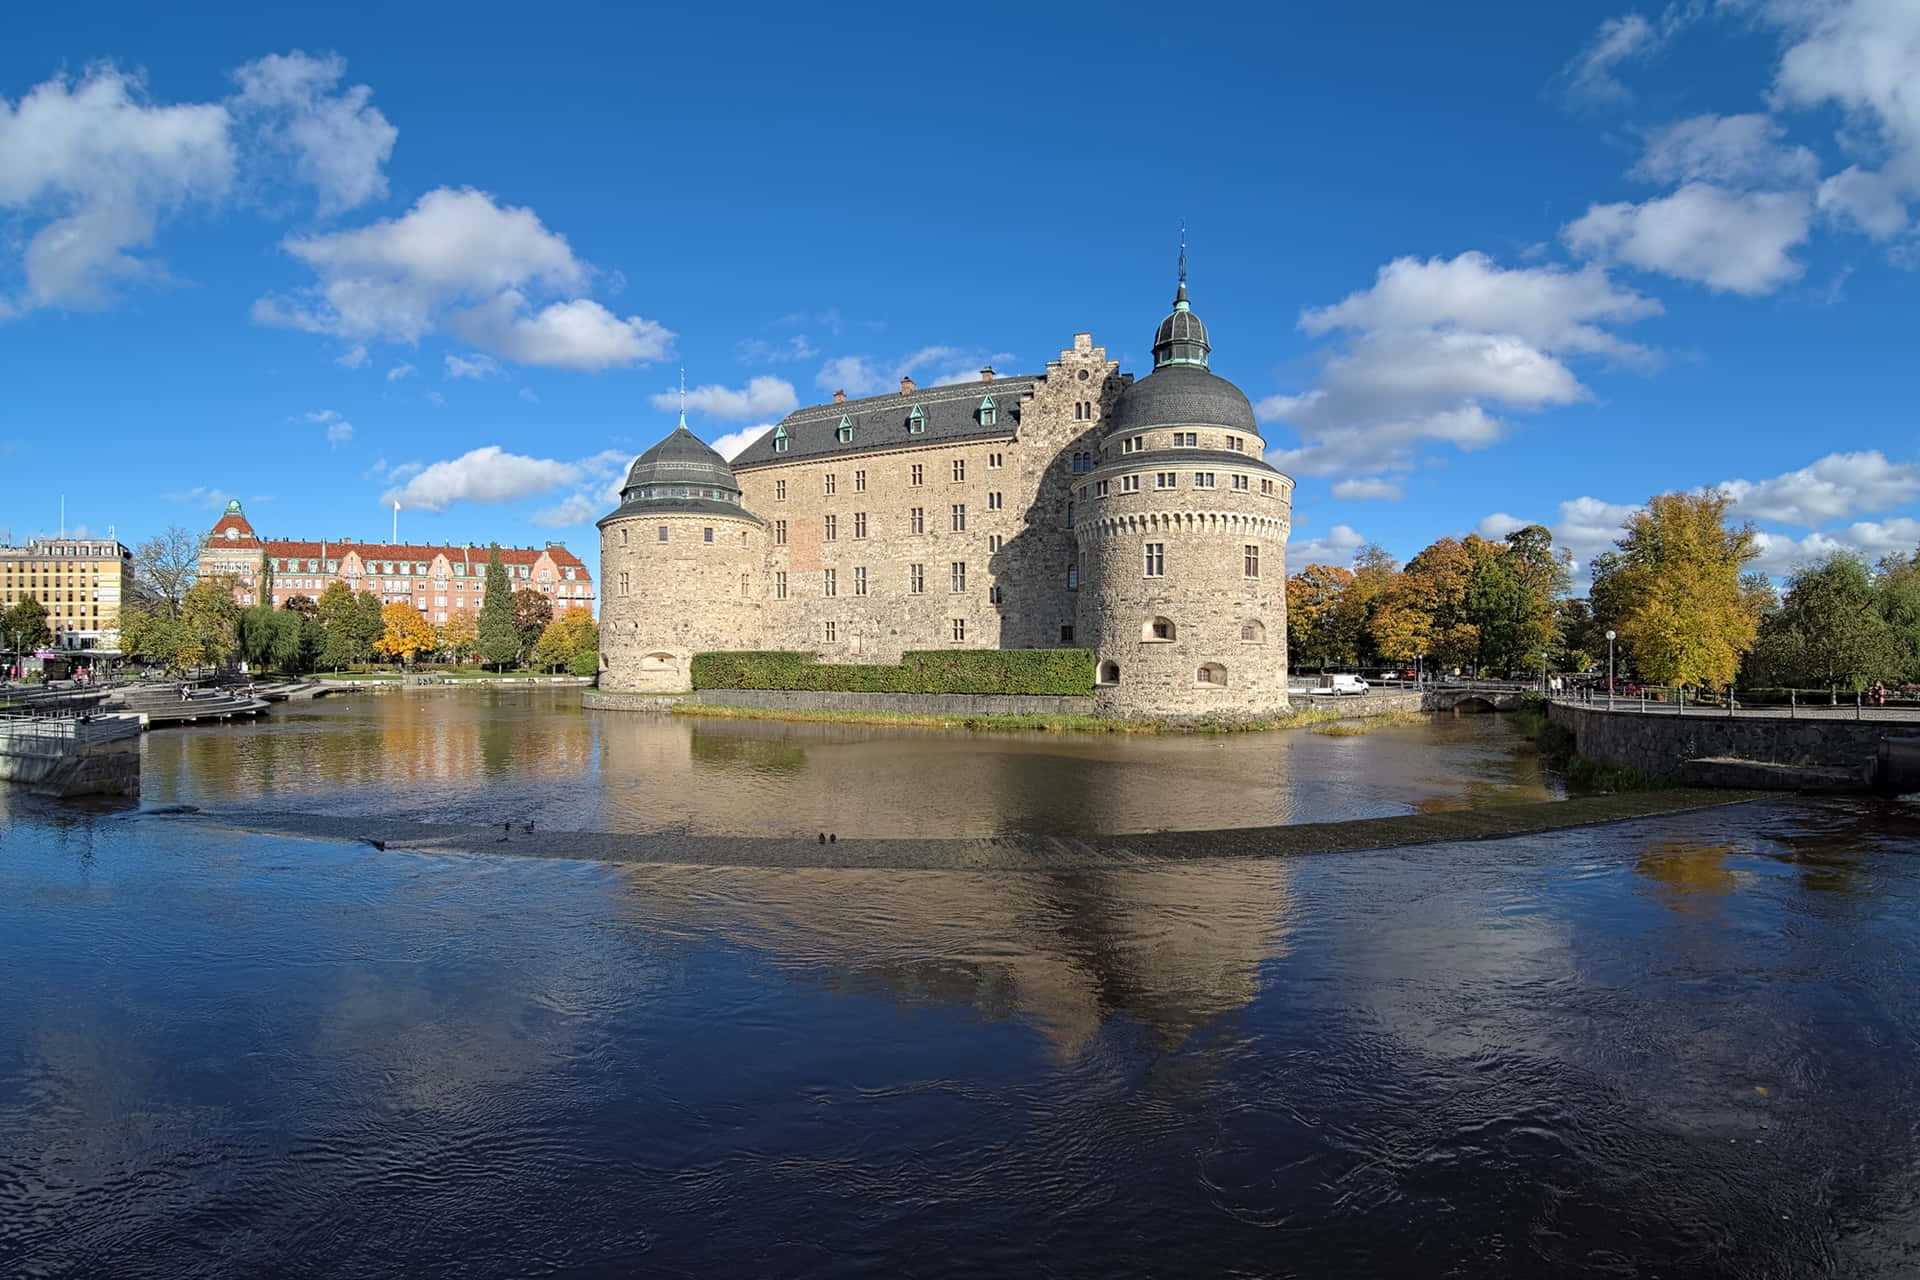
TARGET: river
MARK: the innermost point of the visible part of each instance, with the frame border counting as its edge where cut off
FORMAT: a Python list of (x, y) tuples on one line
[(1673, 1046)]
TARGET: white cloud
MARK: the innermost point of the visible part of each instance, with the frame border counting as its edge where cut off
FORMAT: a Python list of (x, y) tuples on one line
[(1870, 202), (1433, 344), (1781, 555), (527, 394), (862, 376), (729, 445), (459, 261), (352, 358), (1588, 526), (401, 370), (340, 144), (1731, 151), (1833, 488), (488, 475), (762, 397), (201, 496), (102, 166), (478, 368), (577, 509), (1337, 548), (339, 430), (434, 397), (1498, 525), (1367, 488), (1593, 74), (1730, 241), (760, 351)]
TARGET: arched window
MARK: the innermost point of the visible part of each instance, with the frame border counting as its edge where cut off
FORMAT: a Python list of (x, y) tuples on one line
[(1211, 673), (1253, 632), (1109, 673), (1157, 629)]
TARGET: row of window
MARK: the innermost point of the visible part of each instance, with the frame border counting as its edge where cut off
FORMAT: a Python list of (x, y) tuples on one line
[(916, 523), (1207, 673), (1181, 440), (659, 491), (1156, 559), (986, 413), (1171, 480), (916, 475)]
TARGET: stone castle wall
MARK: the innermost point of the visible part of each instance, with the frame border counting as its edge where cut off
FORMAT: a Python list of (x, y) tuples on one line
[(665, 601)]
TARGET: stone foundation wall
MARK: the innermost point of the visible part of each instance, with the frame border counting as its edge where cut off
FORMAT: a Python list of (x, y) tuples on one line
[(100, 757), (916, 704), (1660, 746)]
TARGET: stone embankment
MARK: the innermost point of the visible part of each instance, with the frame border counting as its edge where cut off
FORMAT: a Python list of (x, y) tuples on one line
[(72, 755), (959, 706)]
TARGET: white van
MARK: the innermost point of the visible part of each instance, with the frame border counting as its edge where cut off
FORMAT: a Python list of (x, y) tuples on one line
[(1344, 684)]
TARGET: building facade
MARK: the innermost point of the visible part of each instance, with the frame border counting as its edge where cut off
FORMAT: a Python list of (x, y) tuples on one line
[(81, 581), (1074, 508), (442, 582)]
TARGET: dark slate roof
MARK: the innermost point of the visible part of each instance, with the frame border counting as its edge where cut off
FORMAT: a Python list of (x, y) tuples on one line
[(1181, 459), (880, 422), (641, 508), (1181, 395), (680, 459)]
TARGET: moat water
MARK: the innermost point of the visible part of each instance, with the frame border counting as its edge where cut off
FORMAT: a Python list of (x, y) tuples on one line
[(1683, 1046)]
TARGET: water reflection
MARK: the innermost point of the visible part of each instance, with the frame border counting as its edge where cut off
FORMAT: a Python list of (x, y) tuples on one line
[(472, 757), (1687, 875)]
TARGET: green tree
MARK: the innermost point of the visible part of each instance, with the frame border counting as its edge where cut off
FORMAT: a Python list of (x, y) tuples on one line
[(531, 614), (338, 619), (1830, 629), (368, 625), (1899, 591), (498, 639), (25, 625), (1674, 590), (148, 631), (209, 624), (554, 648)]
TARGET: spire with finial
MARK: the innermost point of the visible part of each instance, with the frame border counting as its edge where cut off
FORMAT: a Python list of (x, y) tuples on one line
[(683, 397), (1180, 294), (1181, 339)]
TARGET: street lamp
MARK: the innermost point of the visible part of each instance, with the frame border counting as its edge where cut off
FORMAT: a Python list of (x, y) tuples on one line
[(1610, 636)]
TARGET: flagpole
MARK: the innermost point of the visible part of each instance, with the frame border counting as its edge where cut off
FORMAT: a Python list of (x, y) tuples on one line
[(396, 522)]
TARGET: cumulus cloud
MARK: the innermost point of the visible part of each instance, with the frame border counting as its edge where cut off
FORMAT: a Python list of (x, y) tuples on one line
[(1336, 548), (864, 376), (478, 368), (1835, 487), (1368, 488), (487, 475), (339, 431), (401, 370), (1733, 151), (729, 445), (577, 509), (762, 397), (1780, 555), (352, 358), (1498, 525), (1434, 344), (458, 260), (1593, 75), (340, 144), (1730, 241)]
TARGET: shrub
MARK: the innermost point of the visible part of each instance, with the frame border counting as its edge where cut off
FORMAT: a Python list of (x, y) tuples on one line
[(1014, 671)]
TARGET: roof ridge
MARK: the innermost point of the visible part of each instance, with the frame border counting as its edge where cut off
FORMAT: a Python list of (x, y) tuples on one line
[(919, 395)]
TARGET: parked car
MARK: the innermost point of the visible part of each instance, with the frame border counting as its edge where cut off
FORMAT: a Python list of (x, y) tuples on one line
[(1345, 684)]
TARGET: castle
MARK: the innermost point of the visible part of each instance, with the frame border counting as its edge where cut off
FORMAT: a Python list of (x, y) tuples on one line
[(1075, 508)]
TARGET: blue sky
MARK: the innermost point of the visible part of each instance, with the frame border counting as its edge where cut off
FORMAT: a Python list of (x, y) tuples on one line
[(1475, 265)]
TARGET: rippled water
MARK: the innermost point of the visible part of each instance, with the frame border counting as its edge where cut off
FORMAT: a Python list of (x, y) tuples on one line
[(1683, 1047)]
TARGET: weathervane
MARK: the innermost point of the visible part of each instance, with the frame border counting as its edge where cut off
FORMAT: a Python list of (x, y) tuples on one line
[(1183, 251), (683, 391)]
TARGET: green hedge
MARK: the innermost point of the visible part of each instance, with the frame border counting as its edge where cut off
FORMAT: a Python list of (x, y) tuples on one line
[(1032, 671)]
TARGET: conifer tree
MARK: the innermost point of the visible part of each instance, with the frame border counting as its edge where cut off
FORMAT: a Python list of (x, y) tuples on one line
[(499, 639)]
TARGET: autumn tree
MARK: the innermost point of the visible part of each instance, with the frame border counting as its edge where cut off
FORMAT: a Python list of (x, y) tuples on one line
[(406, 632), (165, 566), (1674, 592), (147, 631), (457, 636), (496, 636), (1312, 595), (571, 641), (209, 623), (532, 611)]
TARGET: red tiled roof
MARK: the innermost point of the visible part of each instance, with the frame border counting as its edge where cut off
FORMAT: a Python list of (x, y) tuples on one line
[(307, 550), (235, 521)]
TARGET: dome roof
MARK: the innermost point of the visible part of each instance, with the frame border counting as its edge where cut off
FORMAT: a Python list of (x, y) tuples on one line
[(681, 459), (1182, 337), (1181, 395)]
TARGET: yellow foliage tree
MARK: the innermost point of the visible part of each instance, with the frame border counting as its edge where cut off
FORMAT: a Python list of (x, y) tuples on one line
[(1674, 590), (407, 632), (457, 637)]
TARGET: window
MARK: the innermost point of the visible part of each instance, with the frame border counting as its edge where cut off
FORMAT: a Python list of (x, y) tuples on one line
[(1158, 629), (993, 502), (859, 524), (916, 579), (916, 423), (918, 474), (780, 586), (844, 433), (1240, 482), (917, 520), (1069, 515), (833, 632), (1203, 479), (993, 542), (780, 440), (988, 416), (1109, 671), (1186, 439), (623, 584), (959, 470), (959, 629), (829, 582), (1237, 443), (958, 576), (1129, 484), (831, 480), (663, 533), (860, 482), (1253, 632), (1133, 444), (1066, 633), (860, 580), (1083, 410), (706, 535), (1099, 488), (1211, 673), (779, 490), (1164, 479), (1083, 461), (779, 533), (993, 461), (1156, 559), (1266, 486), (833, 528), (959, 517), (1073, 577), (1252, 559)]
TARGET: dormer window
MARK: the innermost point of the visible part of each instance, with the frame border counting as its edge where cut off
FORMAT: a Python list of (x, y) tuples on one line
[(780, 440), (988, 414), (916, 422), (845, 433)]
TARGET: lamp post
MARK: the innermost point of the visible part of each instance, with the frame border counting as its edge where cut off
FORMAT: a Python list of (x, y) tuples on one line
[(1610, 636)]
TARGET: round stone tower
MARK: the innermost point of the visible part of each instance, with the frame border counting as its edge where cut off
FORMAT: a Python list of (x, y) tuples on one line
[(1182, 544), (677, 563)]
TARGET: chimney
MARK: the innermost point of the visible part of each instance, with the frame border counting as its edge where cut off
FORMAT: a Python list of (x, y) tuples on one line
[(906, 386), (986, 374), (840, 397)]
